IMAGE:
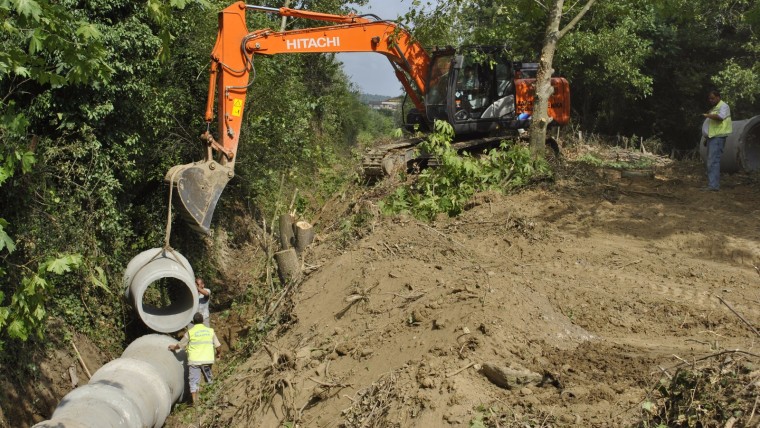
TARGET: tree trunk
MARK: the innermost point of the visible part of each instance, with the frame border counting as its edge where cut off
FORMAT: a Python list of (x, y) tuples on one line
[(284, 23), (286, 231), (544, 89), (288, 266), (304, 236)]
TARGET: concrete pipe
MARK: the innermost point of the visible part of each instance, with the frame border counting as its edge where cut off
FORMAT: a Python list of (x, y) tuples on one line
[(170, 304), (749, 144), (742, 150), (136, 390)]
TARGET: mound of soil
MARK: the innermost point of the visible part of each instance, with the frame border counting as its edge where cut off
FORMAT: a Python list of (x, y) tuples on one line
[(563, 305)]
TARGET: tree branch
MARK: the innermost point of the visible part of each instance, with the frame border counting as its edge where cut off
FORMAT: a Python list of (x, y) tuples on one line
[(577, 18)]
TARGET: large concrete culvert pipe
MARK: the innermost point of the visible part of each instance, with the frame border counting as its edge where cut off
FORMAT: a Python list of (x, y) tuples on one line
[(160, 285), (136, 390), (742, 150)]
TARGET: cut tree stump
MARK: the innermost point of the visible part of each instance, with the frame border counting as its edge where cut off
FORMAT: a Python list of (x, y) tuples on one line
[(286, 231), (288, 266), (304, 235)]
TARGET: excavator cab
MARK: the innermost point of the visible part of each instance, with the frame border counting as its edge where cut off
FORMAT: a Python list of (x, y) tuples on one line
[(481, 90)]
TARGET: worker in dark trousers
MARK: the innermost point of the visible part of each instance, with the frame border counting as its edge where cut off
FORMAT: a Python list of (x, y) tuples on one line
[(715, 129)]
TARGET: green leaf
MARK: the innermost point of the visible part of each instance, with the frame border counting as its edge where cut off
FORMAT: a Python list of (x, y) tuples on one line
[(88, 31), (28, 8), (32, 286), (21, 71), (27, 160), (5, 240), (100, 280), (39, 313), (35, 42), (64, 264), (17, 330), (5, 173)]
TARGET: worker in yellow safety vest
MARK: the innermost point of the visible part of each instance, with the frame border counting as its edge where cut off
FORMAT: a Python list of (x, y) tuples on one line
[(715, 130), (202, 348)]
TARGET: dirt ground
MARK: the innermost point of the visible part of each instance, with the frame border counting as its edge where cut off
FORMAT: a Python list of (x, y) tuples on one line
[(561, 305)]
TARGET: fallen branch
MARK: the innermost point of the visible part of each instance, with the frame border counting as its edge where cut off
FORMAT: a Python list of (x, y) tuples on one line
[(351, 302), (330, 385), (81, 361), (409, 298), (640, 192), (630, 263), (665, 372), (360, 296), (717, 354), (751, 415), (454, 373), (738, 315), (389, 249)]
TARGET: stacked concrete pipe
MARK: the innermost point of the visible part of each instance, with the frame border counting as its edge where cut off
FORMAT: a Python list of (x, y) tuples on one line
[(136, 390)]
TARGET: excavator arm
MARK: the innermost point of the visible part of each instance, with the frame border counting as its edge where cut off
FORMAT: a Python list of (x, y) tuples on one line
[(199, 185)]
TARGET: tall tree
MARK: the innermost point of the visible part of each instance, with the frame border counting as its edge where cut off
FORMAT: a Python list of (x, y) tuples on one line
[(544, 88)]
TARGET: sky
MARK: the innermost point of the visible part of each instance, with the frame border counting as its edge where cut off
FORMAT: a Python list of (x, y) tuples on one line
[(371, 72)]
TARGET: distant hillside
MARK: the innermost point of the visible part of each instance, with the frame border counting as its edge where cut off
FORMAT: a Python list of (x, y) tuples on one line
[(374, 98)]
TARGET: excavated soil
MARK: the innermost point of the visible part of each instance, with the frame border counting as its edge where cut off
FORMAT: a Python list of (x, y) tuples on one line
[(561, 305)]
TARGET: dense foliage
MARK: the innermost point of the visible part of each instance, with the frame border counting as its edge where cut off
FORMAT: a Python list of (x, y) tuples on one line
[(99, 99)]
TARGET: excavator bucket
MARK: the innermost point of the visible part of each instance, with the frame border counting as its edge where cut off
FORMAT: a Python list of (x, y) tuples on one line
[(198, 187)]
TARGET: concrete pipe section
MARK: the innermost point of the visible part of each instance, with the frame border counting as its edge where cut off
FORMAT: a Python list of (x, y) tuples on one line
[(136, 390), (742, 150), (160, 285)]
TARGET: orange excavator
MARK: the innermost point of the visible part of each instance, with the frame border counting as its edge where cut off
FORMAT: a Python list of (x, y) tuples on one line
[(478, 90)]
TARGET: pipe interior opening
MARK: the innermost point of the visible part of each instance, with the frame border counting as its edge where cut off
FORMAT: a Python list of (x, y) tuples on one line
[(167, 304), (167, 296)]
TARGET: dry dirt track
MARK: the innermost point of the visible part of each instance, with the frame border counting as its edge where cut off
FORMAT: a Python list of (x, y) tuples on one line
[(589, 290)]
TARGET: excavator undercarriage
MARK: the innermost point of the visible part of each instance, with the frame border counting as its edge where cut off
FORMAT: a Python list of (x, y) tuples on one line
[(405, 156)]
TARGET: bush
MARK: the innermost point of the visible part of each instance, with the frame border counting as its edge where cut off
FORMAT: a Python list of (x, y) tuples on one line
[(447, 188)]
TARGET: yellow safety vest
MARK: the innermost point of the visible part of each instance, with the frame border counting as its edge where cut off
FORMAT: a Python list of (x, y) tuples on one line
[(200, 350), (719, 128)]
